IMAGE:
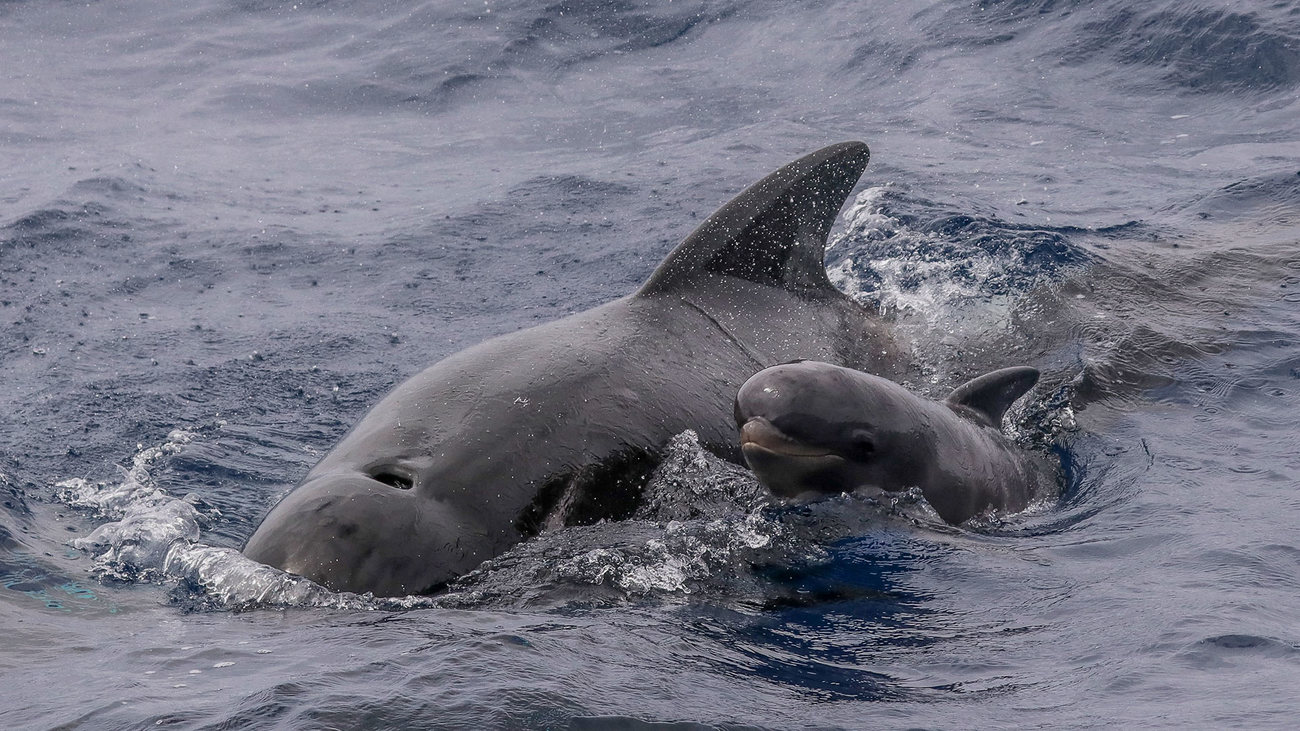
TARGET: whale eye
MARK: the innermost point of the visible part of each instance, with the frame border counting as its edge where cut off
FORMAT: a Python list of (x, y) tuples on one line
[(393, 478), (862, 443)]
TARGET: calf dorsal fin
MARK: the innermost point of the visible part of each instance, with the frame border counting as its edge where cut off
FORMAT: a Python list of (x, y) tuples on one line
[(773, 233), (988, 397)]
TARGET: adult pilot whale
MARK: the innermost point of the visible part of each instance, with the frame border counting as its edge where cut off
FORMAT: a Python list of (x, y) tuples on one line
[(561, 423), (810, 427)]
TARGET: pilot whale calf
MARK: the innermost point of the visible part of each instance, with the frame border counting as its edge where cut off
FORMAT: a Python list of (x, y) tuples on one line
[(816, 427), (560, 424)]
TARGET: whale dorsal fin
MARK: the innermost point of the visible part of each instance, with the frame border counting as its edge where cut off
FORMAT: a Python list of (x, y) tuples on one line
[(988, 397), (774, 232)]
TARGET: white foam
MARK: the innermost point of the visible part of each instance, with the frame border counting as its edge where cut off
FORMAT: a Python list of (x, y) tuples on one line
[(866, 218)]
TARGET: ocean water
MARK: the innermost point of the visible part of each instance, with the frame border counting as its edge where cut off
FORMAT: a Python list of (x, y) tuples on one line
[(227, 228)]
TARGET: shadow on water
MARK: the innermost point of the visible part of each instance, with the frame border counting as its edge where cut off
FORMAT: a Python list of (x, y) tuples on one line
[(24, 578), (823, 626)]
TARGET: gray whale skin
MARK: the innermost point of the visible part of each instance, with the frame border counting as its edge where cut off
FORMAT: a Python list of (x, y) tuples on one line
[(809, 427), (560, 424)]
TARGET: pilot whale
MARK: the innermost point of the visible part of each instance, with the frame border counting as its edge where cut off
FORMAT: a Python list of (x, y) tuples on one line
[(810, 427), (560, 424)]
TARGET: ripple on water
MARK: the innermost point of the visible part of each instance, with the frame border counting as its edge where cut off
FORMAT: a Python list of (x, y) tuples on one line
[(1221, 652)]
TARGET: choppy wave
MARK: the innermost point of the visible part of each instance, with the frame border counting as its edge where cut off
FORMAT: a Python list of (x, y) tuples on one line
[(1197, 47)]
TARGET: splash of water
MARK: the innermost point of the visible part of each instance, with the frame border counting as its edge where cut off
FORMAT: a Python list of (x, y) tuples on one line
[(153, 536)]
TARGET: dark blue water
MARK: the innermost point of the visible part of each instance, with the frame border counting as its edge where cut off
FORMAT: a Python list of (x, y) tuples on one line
[(227, 228)]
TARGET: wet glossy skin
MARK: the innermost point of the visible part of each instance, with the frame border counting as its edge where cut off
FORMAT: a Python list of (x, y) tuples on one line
[(820, 428)]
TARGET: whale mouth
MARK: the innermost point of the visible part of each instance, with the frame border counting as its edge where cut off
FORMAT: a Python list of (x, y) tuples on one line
[(787, 466), (775, 467), (760, 434)]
